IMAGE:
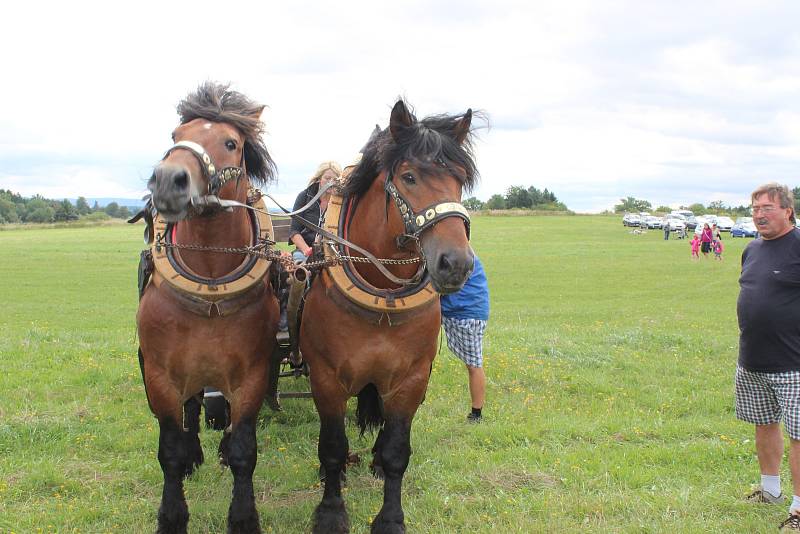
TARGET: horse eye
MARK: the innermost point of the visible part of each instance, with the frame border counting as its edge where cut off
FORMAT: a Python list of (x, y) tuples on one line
[(409, 178), (230, 145)]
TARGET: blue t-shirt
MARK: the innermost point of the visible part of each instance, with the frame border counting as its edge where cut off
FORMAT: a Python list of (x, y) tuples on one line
[(472, 302)]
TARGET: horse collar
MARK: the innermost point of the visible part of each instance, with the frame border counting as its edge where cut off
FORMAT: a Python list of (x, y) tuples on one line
[(387, 303), (417, 222), (216, 178)]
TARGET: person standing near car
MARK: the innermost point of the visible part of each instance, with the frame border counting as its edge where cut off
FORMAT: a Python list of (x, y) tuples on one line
[(715, 233), (666, 229), (767, 383), (705, 240)]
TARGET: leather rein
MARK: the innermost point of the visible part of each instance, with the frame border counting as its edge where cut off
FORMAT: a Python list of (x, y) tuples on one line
[(415, 222)]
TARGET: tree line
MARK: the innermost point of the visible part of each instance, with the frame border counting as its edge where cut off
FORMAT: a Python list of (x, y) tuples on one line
[(15, 208), (518, 197), (717, 207)]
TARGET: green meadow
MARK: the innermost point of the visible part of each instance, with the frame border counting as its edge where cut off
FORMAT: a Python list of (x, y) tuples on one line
[(610, 359)]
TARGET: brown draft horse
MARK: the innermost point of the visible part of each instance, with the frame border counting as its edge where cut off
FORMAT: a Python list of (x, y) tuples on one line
[(182, 351), (386, 364)]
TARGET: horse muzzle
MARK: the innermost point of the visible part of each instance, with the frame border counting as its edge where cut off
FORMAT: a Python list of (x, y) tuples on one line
[(172, 190), (450, 269)]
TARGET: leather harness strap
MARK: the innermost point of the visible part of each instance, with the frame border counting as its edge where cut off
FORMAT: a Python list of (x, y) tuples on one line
[(216, 178)]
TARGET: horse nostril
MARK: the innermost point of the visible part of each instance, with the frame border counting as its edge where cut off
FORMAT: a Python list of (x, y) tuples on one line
[(181, 180), (444, 263)]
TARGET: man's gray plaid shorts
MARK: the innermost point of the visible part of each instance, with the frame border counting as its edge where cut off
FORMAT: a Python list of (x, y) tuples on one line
[(465, 339), (765, 398)]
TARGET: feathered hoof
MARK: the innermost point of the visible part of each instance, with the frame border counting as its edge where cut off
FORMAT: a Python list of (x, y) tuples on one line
[(330, 518), (248, 525), (385, 527), (172, 522)]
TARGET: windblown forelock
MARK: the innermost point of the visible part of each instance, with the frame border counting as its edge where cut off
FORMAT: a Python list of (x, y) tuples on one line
[(216, 103), (426, 144)]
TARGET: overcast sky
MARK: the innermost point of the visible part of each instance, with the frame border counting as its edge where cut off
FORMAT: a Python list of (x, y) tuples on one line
[(673, 102)]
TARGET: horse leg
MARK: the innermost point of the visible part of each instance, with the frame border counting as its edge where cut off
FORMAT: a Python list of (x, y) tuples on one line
[(191, 421), (224, 448), (242, 455), (242, 449), (330, 516), (173, 514), (394, 453), (376, 466)]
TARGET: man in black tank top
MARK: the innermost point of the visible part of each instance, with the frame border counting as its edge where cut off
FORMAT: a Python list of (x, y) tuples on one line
[(768, 371)]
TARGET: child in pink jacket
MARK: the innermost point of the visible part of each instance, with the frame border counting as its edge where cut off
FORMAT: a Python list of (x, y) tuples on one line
[(716, 246), (695, 243)]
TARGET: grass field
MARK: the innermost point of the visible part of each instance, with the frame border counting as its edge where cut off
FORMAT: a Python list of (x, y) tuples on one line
[(609, 358)]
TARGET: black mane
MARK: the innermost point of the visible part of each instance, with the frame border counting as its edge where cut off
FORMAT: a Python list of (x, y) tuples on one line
[(424, 143), (216, 103)]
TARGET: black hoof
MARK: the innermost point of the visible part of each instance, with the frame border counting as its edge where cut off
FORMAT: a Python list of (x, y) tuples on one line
[(173, 521), (330, 518), (380, 527), (249, 525)]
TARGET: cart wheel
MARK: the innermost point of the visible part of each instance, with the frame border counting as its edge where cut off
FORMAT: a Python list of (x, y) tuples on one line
[(216, 409)]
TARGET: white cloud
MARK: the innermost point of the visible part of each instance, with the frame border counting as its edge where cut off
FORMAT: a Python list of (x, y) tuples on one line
[(680, 101)]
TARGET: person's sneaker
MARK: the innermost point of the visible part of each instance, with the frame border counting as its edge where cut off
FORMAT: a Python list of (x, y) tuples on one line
[(765, 497), (474, 418), (790, 524)]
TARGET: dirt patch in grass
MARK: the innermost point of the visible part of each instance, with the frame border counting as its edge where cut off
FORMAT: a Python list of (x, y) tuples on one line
[(510, 480)]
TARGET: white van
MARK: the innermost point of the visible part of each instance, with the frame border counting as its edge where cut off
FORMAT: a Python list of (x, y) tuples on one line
[(684, 214)]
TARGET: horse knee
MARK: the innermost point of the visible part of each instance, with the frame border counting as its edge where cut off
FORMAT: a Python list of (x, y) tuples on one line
[(171, 447), (332, 442), (395, 447), (242, 448)]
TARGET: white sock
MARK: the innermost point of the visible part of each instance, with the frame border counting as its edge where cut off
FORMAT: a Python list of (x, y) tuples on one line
[(772, 484), (795, 506)]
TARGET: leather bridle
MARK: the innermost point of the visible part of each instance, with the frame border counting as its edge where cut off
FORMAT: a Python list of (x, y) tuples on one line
[(216, 178), (416, 222)]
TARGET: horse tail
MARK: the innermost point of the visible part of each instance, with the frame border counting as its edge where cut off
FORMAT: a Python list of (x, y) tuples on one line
[(369, 410)]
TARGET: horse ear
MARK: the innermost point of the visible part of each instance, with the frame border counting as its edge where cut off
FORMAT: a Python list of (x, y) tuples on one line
[(400, 119), (461, 130)]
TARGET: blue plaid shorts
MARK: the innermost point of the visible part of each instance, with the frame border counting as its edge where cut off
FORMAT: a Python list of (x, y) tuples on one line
[(465, 339), (766, 398)]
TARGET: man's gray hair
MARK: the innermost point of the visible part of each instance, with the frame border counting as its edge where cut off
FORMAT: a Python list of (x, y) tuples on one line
[(779, 192)]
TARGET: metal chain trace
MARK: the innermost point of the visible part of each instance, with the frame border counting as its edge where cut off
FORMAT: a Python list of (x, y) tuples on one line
[(274, 255)]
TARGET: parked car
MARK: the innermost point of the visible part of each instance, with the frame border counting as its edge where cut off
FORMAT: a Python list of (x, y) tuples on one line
[(652, 221), (700, 221), (724, 224), (674, 224), (691, 222), (631, 219), (744, 229)]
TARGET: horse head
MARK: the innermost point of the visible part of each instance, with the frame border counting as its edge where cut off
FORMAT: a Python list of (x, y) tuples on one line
[(429, 164), (217, 144)]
